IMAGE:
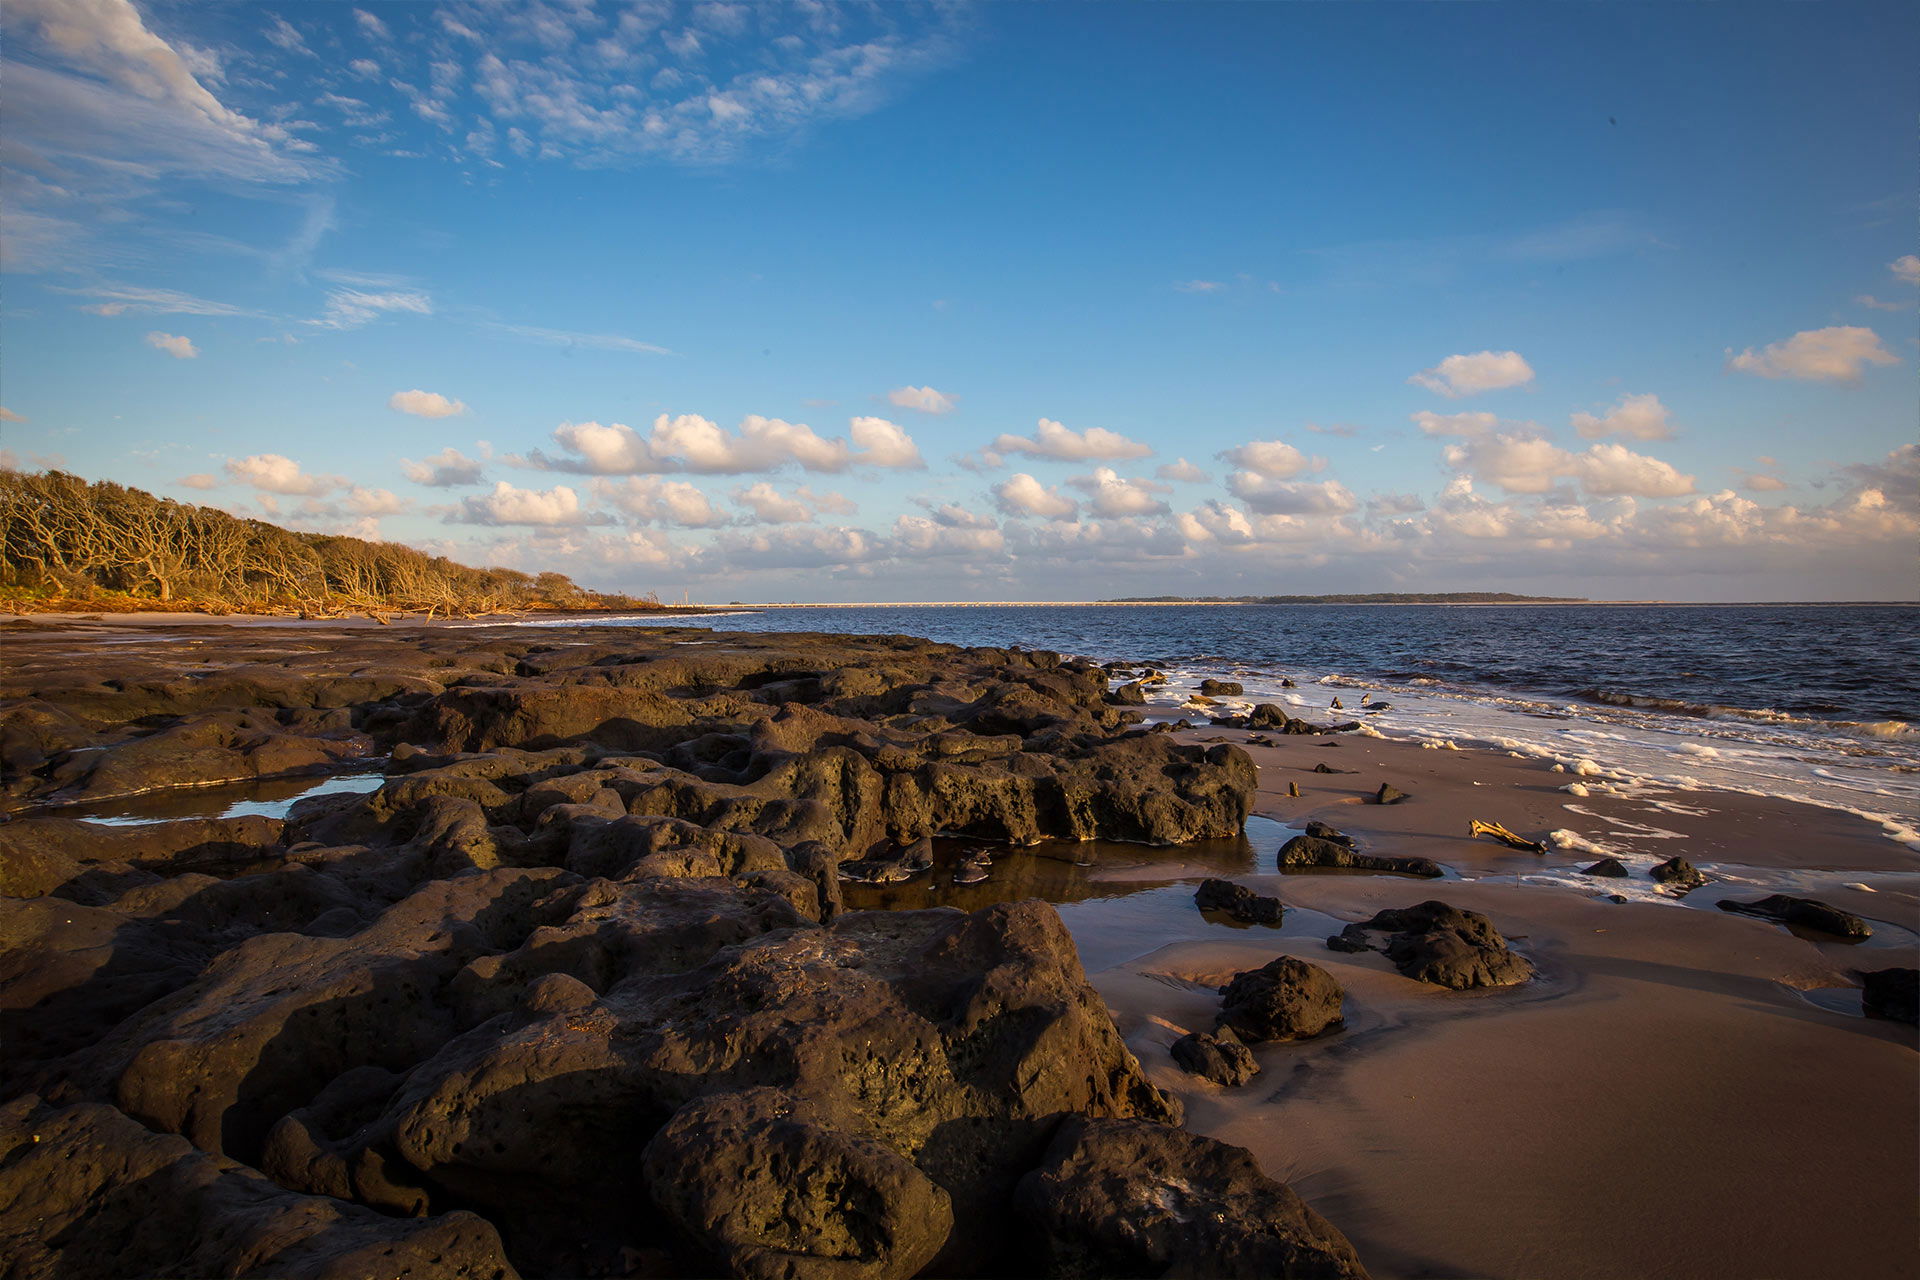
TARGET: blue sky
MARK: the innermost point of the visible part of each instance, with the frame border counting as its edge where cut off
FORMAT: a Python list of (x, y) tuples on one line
[(1009, 301)]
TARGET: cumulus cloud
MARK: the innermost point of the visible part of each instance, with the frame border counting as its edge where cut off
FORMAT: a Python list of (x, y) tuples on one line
[(1761, 482), (1530, 464), (1022, 495), (508, 505), (1274, 459), (425, 404), (650, 499), (373, 503), (198, 480), (174, 345), (1906, 269), (1291, 497), (1640, 417), (1111, 495), (1182, 472), (920, 537), (924, 399), (1838, 353), (692, 443), (277, 473), (1053, 440), (8, 415), (879, 443), (444, 470), (770, 506), (1466, 375), (1896, 477)]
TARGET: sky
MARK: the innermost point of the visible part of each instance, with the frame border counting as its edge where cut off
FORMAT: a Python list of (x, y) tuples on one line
[(899, 302)]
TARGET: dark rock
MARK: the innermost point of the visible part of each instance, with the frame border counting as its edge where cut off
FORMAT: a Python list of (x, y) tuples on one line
[(1124, 1198), (1309, 852), (1891, 993), (1221, 688), (1323, 767), (1611, 867), (1288, 684), (1131, 694), (1437, 943), (891, 864), (1802, 913), (1336, 705), (766, 1184), (1388, 794), (1286, 999), (1239, 902), (86, 1193), (1321, 831), (1219, 1057), (1677, 876)]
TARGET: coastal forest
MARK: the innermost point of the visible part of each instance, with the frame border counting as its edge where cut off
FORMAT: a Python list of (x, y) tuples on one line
[(68, 543)]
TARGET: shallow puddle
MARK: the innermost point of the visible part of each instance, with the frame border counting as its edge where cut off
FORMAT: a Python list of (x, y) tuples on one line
[(267, 798)]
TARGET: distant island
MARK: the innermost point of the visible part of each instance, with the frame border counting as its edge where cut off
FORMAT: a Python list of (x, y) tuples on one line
[(1376, 597), (68, 545)]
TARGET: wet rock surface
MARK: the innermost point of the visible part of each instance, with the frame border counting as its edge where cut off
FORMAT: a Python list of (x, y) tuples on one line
[(1321, 853), (1893, 994), (1802, 913), (1220, 1057), (1437, 943), (1238, 901), (574, 991), (1677, 876)]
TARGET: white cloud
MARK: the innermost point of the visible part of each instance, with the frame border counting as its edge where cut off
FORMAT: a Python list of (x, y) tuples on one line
[(508, 505), (1897, 477), (1530, 464), (652, 499), (1199, 286), (1292, 497), (1906, 269), (1052, 440), (1456, 424), (770, 506), (882, 444), (1466, 375), (1182, 471), (1275, 459), (373, 503), (1111, 495), (199, 480), (1838, 353), (689, 442), (351, 308), (925, 399), (917, 536), (1868, 300), (1022, 495), (8, 415), (444, 470), (1640, 417), (1616, 469), (1760, 482), (425, 404), (178, 347), (277, 473)]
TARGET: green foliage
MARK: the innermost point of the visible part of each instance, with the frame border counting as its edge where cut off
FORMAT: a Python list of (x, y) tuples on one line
[(64, 538)]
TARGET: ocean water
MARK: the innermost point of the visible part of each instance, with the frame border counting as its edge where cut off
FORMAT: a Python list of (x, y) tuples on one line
[(1810, 702)]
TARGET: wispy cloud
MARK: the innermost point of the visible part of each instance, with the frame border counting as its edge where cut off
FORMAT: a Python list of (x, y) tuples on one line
[(575, 338), (123, 299)]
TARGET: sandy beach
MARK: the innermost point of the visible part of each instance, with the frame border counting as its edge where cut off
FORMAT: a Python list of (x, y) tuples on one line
[(1666, 1099)]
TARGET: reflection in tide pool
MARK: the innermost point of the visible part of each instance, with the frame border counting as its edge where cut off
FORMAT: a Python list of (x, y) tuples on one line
[(267, 798)]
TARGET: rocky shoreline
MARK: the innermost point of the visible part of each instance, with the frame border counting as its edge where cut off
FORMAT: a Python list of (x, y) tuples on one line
[(575, 991)]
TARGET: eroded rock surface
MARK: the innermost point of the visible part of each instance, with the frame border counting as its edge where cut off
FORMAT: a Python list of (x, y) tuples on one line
[(574, 992), (1802, 913), (1317, 853), (1285, 999)]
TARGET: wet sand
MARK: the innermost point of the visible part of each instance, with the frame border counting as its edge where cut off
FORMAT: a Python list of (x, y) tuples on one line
[(1681, 1092)]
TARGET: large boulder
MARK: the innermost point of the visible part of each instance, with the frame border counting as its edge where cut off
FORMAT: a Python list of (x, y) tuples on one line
[(768, 1187), (1285, 999), (1219, 1057), (1127, 1198)]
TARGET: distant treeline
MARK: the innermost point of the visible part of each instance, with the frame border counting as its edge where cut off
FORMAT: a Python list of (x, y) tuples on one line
[(1377, 597), (65, 541)]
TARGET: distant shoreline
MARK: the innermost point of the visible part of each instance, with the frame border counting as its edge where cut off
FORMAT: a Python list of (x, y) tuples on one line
[(1330, 604)]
